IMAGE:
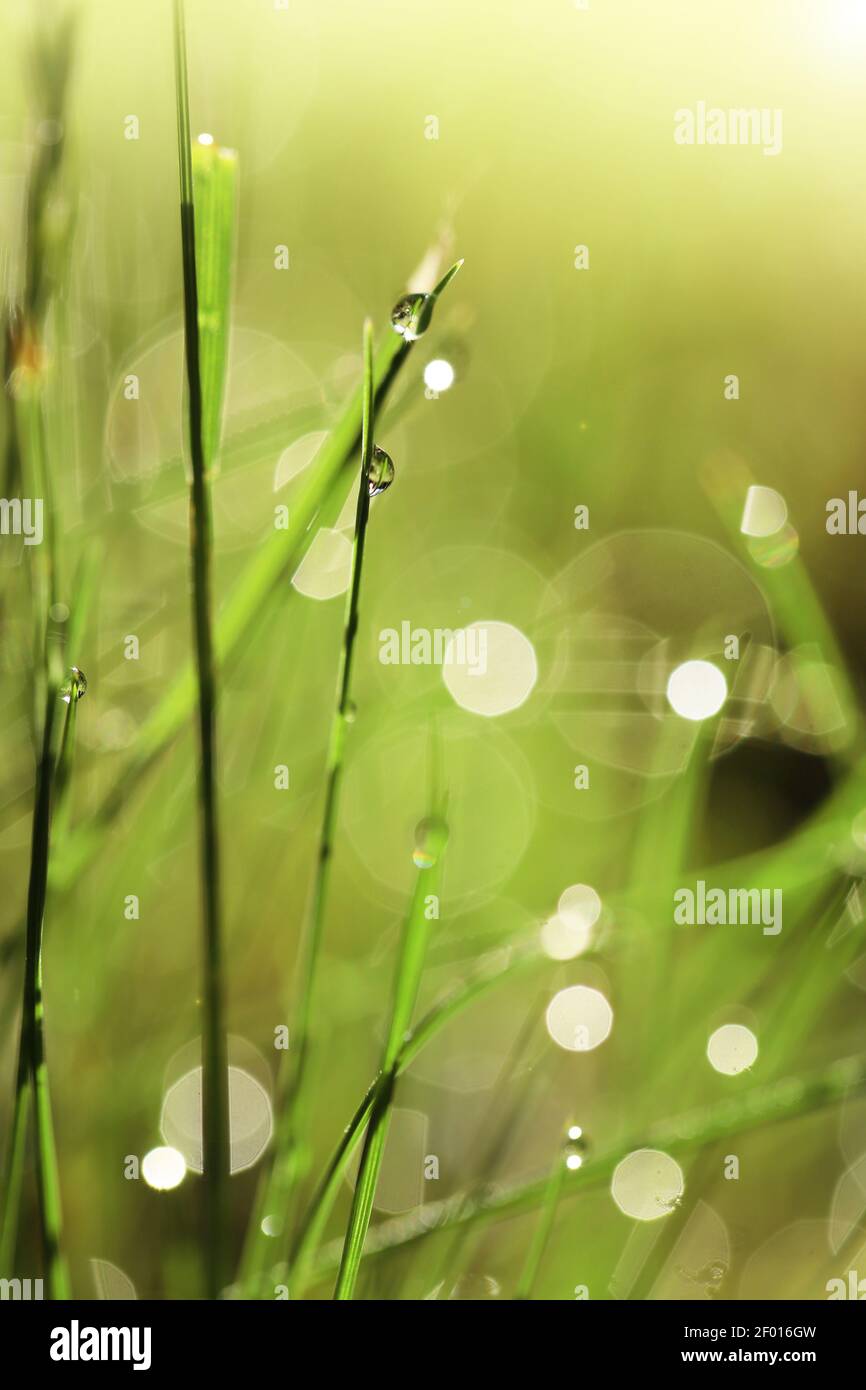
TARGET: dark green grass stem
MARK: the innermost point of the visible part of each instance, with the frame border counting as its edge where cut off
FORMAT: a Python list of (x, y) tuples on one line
[(275, 1192), (407, 979), (215, 1097), (31, 1081), (58, 799), (342, 716)]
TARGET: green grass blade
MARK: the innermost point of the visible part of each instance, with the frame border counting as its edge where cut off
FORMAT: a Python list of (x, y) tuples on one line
[(340, 720), (32, 1076), (206, 357), (276, 1188), (13, 1174), (446, 279), (214, 179), (21, 1112), (407, 979), (541, 1234)]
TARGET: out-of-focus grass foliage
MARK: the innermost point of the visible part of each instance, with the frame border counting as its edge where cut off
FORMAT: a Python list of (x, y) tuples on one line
[(599, 387)]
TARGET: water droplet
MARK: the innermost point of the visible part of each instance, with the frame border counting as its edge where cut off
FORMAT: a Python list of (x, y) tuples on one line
[(431, 835), (411, 315), (350, 713), (380, 473), (75, 685)]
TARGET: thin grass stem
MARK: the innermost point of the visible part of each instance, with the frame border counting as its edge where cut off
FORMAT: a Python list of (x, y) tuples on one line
[(407, 979), (215, 1096), (31, 1087), (276, 1190), (543, 1228)]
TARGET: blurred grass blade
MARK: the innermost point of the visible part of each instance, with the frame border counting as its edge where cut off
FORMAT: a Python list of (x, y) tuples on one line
[(544, 1226), (407, 979), (205, 370)]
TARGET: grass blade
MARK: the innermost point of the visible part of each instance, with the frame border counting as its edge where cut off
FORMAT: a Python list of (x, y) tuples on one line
[(31, 1086), (205, 354), (214, 179), (275, 1191), (541, 1234), (406, 982)]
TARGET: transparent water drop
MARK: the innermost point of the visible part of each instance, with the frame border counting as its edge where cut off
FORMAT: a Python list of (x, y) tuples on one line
[(350, 713), (74, 687), (411, 315), (431, 835), (380, 473)]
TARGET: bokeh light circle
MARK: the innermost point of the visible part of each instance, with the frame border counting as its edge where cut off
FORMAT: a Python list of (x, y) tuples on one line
[(696, 690), (163, 1168), (490, 668), (579, 1019), (647, 1184), (732, 1048)]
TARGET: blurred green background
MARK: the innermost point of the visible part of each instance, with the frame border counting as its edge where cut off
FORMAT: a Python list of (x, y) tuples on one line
[(602, 387)]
